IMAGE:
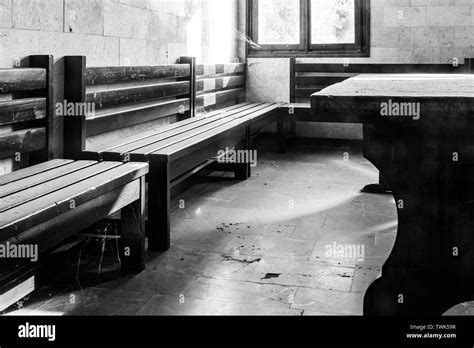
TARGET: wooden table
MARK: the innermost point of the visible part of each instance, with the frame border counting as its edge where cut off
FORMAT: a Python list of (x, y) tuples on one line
[(425, 151)]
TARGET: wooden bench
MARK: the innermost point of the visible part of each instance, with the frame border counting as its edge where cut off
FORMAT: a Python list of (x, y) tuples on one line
[(174, 151), (45, 202), (309, 78)]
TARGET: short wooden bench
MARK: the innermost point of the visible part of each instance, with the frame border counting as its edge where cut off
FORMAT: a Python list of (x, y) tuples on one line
[(125, 96), (45, 202)]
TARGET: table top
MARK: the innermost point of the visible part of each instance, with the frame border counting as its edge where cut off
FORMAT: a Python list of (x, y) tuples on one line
[(360, 98), (400, 85)]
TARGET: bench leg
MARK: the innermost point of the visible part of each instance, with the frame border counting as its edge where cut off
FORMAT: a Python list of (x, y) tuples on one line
[(282, 136), (158, 224), (242, 171), (132, 228)]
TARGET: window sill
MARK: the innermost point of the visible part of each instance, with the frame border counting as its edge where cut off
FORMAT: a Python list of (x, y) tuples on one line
[(305, 54)]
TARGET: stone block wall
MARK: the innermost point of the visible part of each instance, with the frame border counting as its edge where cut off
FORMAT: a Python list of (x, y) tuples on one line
[(117, 32)]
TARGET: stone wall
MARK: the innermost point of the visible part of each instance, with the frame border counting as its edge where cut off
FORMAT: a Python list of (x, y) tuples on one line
[(117, 32), (402, 31)]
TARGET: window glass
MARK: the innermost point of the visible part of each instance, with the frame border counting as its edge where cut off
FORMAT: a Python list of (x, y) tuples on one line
[(278, 22), (332, 22)]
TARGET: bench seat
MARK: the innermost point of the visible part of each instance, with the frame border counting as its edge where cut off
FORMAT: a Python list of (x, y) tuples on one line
[(157, 141), (181, 149), (46, 204)]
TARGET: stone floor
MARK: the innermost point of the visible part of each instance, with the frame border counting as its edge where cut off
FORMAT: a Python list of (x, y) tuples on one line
[(265, 246)]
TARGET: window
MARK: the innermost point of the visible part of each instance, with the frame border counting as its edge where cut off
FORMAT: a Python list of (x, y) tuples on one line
[(308, 28)]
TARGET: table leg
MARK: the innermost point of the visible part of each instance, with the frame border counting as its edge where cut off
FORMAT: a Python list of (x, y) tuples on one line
[(431, 266)]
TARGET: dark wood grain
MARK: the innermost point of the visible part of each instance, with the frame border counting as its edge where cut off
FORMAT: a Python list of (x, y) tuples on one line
[(24, 79), (155, 144), (52, 141), (32, 171), (48, 206), (74, 92), (171, 130), (42, 178), (26, 140), (382, 68), (444, 100), (433, 190), (110, 75), (128, 115), (110, 97), (22, 110)]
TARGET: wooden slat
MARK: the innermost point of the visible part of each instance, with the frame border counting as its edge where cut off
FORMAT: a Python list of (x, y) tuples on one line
[(109, 75), (18, 292), (46, 62), (26, 79), (321, 79), (292, 79), (174, 126), (125, 116), (22, 110), (83, 170), (42, 178), (219, 97), (269, 107), (25, 140), (216, 69), (191, 61), (305, 92), (31, 171), (185, 133), (161, 140), (112, 97), (48, 206), (59, 227), (219, 83), (382, 68), (180, 149), (169, 148), (224, 109)]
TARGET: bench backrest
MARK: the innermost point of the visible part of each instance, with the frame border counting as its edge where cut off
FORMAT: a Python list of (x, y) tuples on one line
[(219, 85), (26, 112), (107, 99), (308, 78)]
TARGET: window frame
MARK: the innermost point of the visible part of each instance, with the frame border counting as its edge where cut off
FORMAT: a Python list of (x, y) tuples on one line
[(361, 47)]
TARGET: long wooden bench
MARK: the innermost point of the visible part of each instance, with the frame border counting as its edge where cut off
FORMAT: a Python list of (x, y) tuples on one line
[(45, 202), (309, 78), (174, 151)]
